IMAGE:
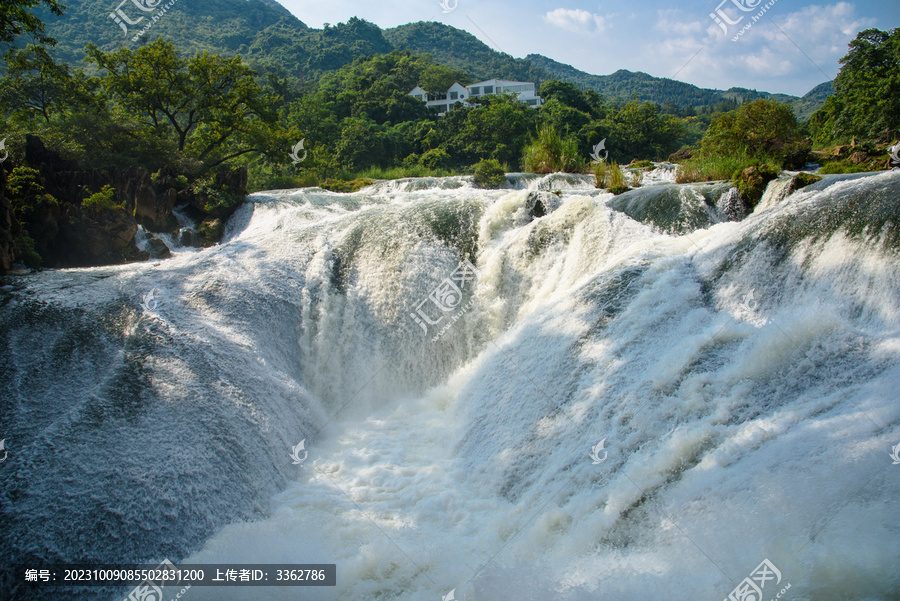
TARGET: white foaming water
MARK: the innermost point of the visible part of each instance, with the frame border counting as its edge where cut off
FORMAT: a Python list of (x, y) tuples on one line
[(742, 376), (744, 384)]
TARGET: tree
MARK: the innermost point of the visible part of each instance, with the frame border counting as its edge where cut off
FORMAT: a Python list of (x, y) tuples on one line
[(16, 19), (566, 93), (638, 130), (866, 101), (497, 128), (212, 107), (37, 85), (763, 128)]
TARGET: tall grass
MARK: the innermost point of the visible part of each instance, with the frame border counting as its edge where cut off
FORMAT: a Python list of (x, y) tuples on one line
[(610, 176), (719, 167), (551, 152)]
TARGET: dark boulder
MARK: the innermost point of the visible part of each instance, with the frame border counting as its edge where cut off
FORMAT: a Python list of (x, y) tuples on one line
[(682, 155), (752, 183)]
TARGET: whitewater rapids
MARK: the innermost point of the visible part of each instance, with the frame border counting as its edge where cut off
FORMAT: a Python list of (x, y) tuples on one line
[(741, 376)]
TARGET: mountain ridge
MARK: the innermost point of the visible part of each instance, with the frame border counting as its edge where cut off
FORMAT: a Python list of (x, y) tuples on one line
[(269, 37)]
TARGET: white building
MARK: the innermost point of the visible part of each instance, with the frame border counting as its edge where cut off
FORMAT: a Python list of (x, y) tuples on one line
[(443, 102)]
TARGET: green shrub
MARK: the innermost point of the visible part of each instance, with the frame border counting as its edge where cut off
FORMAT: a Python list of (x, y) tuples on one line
[(609, 175), (489, 174), (346, 186), (217, 199), (551, 152), (27, 252), (842, 167), (103, 201), (436, 158)]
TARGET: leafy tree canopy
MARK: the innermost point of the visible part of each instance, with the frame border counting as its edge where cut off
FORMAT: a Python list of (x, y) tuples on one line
[(866, 102), (16, 18)]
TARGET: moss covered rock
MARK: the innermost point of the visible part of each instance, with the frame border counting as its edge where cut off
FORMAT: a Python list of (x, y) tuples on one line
[(752, 181)]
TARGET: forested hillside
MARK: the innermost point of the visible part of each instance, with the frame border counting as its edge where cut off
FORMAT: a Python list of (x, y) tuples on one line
[(269, 38)]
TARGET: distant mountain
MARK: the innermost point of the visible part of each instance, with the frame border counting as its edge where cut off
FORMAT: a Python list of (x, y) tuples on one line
[(269, 37), (622, 84), (460, 49)]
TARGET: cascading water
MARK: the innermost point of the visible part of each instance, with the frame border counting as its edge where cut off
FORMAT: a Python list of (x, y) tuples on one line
[(741, 377)]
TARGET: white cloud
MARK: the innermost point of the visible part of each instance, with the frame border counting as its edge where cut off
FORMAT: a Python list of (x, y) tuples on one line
[(576, 20)]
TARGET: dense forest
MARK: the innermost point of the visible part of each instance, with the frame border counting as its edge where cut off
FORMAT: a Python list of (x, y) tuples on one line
[(149, 127)]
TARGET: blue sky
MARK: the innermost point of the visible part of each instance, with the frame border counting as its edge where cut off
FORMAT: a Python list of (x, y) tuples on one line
[(794, 46)]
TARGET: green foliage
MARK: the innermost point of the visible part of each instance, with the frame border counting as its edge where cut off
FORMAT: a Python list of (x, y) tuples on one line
[(35, 209), (462, 51), (639, 130), (832, 167), (867, 98), (760, 129), (37, 86), (565, 93), (644, 164), (610, 177), (716, 167), (345, 186), (435, 158), (16, 18), (210, 231), (551, 152), (489, 174), (27, 252), (210, 107), (103, 201), (217, 199)]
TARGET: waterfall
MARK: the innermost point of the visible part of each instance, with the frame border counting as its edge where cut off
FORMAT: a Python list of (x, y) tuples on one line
[(537, 392)]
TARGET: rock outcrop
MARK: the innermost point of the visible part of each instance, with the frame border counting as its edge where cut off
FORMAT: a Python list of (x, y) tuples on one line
[(65, 231)]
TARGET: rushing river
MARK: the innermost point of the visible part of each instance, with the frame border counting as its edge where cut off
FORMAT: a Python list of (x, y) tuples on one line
[(540, 392)]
